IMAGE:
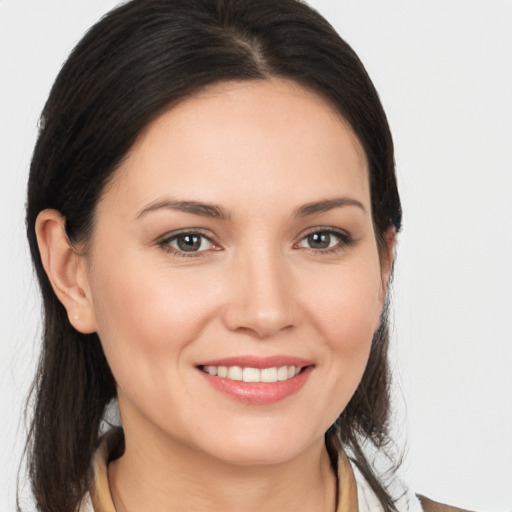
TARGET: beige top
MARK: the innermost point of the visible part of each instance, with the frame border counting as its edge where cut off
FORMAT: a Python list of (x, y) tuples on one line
[(100, 500)]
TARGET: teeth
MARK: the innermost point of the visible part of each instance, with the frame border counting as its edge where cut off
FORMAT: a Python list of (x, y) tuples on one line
[(235, 373), (272, 374), (282, 373), (251, 375), (269, 375)]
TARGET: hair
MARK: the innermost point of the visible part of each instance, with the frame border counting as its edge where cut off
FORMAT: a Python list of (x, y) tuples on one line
[(134, 64)]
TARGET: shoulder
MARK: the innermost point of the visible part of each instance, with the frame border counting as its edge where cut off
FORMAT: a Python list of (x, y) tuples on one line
[(429, 505), (99, 499), (86, 504), (405, 498)]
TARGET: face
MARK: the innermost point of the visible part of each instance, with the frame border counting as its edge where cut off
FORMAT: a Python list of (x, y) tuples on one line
[(234, 275)]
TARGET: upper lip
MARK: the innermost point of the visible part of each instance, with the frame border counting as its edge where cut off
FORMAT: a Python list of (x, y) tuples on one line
[(253, 361)]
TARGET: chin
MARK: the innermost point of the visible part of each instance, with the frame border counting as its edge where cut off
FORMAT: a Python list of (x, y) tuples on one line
[(257, 448)]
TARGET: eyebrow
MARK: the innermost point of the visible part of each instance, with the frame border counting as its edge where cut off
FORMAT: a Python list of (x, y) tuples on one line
[(216, 212), (194, 207), (327, 205)]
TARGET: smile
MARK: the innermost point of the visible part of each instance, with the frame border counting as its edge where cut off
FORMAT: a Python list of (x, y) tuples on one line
[(256, 380), (248, 374)]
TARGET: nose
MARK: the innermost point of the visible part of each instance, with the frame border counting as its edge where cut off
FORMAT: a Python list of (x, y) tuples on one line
[(261, 298)]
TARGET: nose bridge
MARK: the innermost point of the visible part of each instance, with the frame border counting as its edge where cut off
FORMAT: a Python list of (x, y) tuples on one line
[(262, 299)]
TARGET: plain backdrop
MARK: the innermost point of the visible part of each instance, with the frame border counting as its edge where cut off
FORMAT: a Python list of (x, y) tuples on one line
[(443, 69)]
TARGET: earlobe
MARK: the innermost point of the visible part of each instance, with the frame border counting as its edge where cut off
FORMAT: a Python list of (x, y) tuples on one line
[(66, 270)]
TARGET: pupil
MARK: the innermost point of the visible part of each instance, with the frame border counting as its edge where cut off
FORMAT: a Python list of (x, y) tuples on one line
[(319, 240), (189, 242)]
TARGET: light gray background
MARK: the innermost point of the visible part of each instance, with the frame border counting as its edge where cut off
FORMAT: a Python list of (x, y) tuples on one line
[(443, 69)]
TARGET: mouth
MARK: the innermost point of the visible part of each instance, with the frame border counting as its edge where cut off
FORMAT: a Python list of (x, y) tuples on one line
[(249, 374), (256, 380)]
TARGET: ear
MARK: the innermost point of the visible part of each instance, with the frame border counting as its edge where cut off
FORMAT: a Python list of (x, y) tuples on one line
[(66, 270), (387, 259)]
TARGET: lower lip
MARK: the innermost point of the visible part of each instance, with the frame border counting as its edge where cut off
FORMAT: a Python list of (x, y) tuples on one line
[(259, 393)]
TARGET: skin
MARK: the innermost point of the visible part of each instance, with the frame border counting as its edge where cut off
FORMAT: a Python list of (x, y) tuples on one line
[(260, 151)]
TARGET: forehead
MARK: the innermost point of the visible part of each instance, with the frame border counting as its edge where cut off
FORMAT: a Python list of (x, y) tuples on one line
[(259, 138)]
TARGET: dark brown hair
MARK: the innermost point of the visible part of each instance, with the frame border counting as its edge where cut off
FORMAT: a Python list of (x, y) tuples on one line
[(133, 64)]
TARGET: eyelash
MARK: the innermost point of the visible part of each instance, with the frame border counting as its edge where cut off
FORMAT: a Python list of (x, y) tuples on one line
[(165, 244), (345, 240)]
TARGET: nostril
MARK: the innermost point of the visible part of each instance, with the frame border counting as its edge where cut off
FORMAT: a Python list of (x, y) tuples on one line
[(246, 319)]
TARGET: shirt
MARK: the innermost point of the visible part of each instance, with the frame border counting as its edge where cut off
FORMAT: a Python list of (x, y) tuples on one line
[(354, 492)]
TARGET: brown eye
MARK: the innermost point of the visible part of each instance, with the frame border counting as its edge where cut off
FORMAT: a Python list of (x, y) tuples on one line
[(321, 240), (325, 240), (188, 243)]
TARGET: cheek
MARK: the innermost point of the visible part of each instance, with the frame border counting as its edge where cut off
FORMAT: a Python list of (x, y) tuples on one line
[(349, 305), (347, 312), (149, 312)]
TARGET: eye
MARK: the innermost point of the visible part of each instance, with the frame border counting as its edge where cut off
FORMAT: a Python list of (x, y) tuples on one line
[(324, 240), (188, 242)]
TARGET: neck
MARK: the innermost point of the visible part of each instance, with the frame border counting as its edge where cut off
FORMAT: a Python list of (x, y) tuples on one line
[(166, 476)]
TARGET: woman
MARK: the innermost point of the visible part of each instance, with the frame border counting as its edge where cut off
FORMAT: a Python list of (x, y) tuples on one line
[(212, 213)]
